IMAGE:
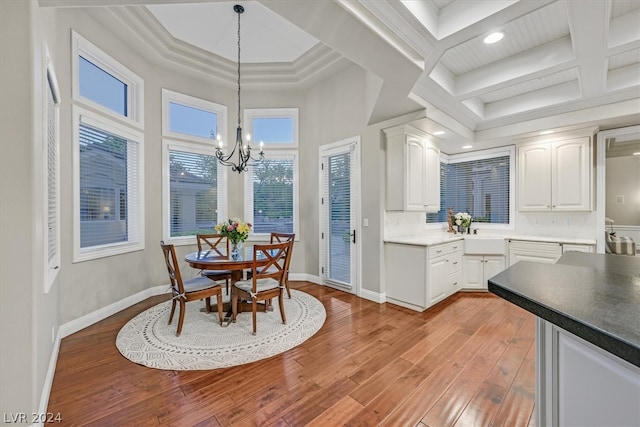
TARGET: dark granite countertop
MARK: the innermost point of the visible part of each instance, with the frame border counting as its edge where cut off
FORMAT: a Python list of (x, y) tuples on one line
[(593, 296)]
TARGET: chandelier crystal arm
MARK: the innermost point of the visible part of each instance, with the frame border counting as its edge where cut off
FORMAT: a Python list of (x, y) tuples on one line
[(245, 159)]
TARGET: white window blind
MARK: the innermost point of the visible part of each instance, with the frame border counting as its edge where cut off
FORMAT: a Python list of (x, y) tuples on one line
[(480, 187), (109, 188), (52, 135), (193, 186), (337, 205), (272, 190)]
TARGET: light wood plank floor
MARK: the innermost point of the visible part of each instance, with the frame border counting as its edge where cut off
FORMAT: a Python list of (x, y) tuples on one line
[(469, 361)]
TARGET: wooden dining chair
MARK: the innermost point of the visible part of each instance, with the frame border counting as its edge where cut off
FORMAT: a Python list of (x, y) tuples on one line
[(185, 291), (219, 245), (285, 237), (267, 280)]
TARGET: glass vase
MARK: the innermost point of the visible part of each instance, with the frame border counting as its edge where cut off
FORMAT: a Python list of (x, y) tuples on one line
[(236, 250)]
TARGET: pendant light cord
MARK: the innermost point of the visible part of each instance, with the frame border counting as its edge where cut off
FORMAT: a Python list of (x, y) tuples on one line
[(239, 12)]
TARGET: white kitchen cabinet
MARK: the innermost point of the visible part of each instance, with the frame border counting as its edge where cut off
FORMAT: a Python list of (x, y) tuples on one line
[(567, 247), (413, 170), (521, 250), (579, 384), (555, 176), (417, 277), (445, 271), (406, 275), (477, 269)]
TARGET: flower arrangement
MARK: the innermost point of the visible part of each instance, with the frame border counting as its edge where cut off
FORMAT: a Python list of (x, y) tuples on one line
[(463, 219), (234, 229)]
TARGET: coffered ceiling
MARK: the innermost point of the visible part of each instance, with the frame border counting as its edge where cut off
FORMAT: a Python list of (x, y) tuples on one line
[(562, 64)]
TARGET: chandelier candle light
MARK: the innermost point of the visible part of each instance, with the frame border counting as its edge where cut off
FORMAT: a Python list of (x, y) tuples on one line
[(244, 150)]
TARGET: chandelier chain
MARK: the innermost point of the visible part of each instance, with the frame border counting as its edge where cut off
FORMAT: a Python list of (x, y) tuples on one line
[(239, 68)]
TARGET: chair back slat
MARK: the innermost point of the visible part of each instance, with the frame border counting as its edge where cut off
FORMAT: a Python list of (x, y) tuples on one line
[(217, 243), (276, 255), (173, 268)]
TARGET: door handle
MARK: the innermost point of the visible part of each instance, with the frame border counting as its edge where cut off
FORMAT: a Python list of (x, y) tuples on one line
[(353, 236)]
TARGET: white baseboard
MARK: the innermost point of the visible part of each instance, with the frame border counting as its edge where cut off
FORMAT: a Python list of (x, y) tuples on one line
[(373, 296), (305, 277), (101, 314)]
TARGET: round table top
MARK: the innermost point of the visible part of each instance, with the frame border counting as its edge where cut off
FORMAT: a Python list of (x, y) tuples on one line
[(210, 260)]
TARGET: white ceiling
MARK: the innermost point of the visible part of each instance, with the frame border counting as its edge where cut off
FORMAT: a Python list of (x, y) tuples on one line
[(562, 64)]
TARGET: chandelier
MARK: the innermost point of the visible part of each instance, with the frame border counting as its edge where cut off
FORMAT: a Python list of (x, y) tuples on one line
[(244, 157)]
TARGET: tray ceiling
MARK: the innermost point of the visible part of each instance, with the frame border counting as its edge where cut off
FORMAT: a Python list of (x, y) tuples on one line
[(561, 63)]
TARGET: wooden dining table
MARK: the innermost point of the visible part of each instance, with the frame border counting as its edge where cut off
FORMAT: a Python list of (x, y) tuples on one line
[(212, 260)]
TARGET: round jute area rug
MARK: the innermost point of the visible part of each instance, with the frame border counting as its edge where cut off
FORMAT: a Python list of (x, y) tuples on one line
[(204, 344)]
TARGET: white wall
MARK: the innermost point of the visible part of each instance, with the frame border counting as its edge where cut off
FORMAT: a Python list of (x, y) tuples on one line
[(27, 313)]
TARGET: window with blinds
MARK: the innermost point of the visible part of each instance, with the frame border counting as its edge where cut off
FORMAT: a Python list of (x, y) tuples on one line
[(480, 186), (193, 197), (108, 145), (52, 188), (108, 187), (271, 186), (193, 188), (272, 195)]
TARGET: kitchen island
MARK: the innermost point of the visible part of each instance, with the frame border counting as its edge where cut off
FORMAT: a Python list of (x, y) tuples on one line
[(587, 336)]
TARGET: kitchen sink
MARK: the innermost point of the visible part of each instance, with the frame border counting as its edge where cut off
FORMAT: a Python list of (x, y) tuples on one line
[(484, 245)]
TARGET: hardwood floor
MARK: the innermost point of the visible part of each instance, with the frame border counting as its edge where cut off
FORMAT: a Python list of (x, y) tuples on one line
[(469, 361)]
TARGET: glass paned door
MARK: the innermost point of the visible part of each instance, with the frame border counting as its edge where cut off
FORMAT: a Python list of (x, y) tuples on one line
[(339, 208)]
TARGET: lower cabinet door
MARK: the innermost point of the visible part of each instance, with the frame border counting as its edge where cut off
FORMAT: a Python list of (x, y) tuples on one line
[(492, 266), (473, 272), (438, 284)]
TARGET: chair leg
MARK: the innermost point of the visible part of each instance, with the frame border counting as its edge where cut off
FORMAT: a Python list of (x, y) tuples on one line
[(286, 283), (173, 310), (207, 302), (183, 308), (234, 305), (254, 309), (219, 304), (281, 303)]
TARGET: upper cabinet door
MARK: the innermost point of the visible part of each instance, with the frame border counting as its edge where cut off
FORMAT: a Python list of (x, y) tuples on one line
[(534, 177), (555, 176), (571, 184), (413, 170), (432, 173), (415, 185)]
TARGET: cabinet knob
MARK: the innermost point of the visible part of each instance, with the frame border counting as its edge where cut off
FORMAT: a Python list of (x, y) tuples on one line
[(553, 206), (455, 283), (438, 252)]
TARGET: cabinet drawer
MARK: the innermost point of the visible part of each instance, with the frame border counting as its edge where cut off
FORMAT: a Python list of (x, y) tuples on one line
[(535, 246), (455, 262), (445, 249)]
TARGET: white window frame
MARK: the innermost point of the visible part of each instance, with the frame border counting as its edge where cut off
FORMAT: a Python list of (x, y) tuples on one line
[(51, 266), (169, 96), (272, 113), (248, 194), (169, 145), (191, 144), (135, 85), (135, 211), (130, 127), (510, 151)]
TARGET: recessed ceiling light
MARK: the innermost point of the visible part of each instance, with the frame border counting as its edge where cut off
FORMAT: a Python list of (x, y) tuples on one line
[(466, 147), (439, 132), (494, 37), (546, 132), (637, 154)]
